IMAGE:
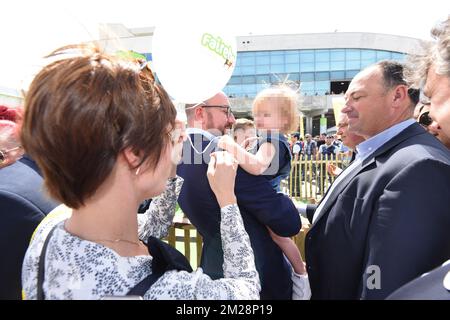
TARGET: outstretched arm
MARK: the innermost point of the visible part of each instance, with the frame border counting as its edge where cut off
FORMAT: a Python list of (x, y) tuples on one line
[(254, 164)]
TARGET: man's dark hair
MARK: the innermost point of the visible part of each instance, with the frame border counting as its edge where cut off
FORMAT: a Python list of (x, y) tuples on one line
[(394, 75)]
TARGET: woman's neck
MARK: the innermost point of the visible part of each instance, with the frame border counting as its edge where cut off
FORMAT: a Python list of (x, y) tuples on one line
[(107, 217)]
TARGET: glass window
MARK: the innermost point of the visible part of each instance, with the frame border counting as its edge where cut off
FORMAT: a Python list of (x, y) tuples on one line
[(248, 88), (276, 53), (305, 67), (350, 74), (398, 56), (337, 65), (277, 78), (307, 76), (294, 76), (237, 71), (261, 53), (277, 68), (234, 89), (306, 86), (353, 64), (248, 79), (322, 55), (247, 61), (292, 58), (247, 54), (307, 56), (382, 55), (352, 54), (263, 79), (322, 66), (366, 63), (235, 80), (322, 76), (260, 87), (263, 60), (292, 67), (337, 75), (368, 54), (248, 70), (322, 85), (337, 55), (278, 59), (262, 69)]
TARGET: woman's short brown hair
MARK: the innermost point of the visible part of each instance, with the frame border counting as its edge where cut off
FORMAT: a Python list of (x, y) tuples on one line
[(82, 110)]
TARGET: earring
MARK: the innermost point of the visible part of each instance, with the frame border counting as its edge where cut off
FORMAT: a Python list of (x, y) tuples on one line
[(137, 171)]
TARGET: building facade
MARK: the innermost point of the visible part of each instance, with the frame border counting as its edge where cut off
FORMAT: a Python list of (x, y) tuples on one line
[(319, 66)]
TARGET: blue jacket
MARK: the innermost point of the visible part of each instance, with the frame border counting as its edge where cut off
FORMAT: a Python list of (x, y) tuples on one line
[(260, 206), (386, 223), (22, 207)]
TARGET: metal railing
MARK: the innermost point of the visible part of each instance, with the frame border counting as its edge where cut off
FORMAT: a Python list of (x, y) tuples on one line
[(309, 178)]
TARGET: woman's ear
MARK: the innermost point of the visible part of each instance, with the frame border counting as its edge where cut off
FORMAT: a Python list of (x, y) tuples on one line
[(132, 158)]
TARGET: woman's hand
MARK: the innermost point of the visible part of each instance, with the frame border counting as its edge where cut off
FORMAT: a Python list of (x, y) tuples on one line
[(221, 176)]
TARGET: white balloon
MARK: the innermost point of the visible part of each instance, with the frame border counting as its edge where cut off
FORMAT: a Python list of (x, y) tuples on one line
[(193, 61)]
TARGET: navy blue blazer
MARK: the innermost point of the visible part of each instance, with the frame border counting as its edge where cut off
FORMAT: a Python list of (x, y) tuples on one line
[(386, 223), (428, 287), (22, 207), (260, 206)]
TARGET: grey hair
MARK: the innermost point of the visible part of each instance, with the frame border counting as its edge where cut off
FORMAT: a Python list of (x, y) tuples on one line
[(437, 53)]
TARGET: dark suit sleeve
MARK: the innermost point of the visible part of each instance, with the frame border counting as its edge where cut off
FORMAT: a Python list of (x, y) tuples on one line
[(256, 195), (410, 229), (310, 209), (19, 220)]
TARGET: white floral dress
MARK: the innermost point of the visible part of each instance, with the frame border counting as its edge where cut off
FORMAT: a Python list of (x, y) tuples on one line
[(81, 269)]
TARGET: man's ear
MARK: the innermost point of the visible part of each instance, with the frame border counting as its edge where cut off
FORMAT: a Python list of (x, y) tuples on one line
[(132, 158), (399, 95), (200, 114)]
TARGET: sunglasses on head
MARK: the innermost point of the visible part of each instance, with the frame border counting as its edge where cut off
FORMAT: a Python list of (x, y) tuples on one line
[(425, 119)]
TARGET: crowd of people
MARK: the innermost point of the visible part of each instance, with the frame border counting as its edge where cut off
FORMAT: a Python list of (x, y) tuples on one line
[(99, 137)]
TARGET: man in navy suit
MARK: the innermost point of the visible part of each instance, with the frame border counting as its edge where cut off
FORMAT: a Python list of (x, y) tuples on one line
[(385, 219), (23, 205), (433, 285), (259, 203)]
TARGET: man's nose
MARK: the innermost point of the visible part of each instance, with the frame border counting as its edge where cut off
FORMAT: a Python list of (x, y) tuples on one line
[(346, 108), (231, 119)]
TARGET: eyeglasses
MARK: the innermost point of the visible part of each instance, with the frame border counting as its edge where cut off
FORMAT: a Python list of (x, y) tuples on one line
[(228, 109), (425, 119), (4, 153)]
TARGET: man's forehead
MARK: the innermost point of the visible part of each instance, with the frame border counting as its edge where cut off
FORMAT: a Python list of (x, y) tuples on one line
[(363, 79), (218, 99)]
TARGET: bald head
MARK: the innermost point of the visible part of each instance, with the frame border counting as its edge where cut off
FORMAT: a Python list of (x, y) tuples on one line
[(212, 114)]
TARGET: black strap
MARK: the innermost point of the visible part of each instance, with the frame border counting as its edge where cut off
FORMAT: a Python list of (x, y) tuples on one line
[(165, 258), (41, 267)]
